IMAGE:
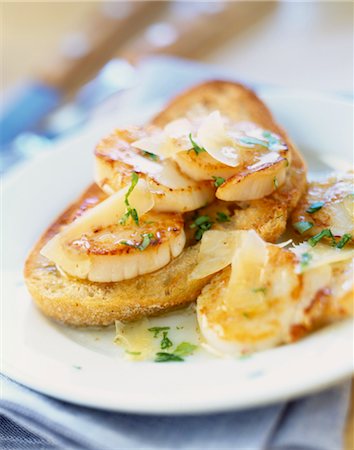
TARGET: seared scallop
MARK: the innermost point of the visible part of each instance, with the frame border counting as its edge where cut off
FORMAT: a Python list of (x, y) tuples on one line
[(270, 295), (173, 191), (327, 207), (118, 239)]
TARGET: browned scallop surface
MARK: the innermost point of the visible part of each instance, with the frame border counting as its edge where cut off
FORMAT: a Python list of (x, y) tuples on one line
[(328, 204), (127, 239), (173, 191)]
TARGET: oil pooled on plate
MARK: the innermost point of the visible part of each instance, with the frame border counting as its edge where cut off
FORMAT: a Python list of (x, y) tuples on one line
[(165, 337), (143, 339)]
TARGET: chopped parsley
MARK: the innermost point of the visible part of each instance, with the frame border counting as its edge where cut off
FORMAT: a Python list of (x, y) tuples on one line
[(130, 212), (218, 181), (145, 242), (314, 207), (195, 146), (133, 353), (262, 290), (202, 224), (324, 233), (222, 217), (150, 155), (248, 140), (185, 349), (273, 140), (182, 350), (167, 357), (165, 342), (302, 226), (245, 315), (157, 330), (345, 238), (275, 182), (305, 260)]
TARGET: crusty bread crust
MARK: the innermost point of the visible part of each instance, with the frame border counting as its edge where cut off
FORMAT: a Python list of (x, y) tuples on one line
[(84, 303)]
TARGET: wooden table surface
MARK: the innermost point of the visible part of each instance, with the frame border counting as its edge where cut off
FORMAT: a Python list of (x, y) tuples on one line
[(29, 22)]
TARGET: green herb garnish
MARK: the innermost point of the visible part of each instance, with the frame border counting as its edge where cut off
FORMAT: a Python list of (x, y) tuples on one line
[(305, 260), (150, 155), (146, 241), (222, 217), (248, 140), (324, 233), (202, 224), (245, 315), (130, 212), (275, 182), (262, 290), (345, 238), (167, 357), (133, 353), (182, 350), (314, 207), (196, 147), (185, 349), (273, 141), (218, 181), (302, 226), (165, 342), (157, 330)]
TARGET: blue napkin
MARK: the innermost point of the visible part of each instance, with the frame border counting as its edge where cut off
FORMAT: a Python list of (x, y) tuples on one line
[(31, 420)]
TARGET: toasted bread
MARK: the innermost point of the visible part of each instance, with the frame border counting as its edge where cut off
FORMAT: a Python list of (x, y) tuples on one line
[(84, 303)]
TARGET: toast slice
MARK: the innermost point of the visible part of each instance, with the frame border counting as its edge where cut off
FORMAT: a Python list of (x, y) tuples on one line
[(85, 303)]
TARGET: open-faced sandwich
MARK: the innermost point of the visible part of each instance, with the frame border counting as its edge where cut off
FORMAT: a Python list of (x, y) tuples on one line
[(189, 209)]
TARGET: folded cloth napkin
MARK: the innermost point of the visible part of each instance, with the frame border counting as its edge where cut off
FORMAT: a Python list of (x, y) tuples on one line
[(29, 420)]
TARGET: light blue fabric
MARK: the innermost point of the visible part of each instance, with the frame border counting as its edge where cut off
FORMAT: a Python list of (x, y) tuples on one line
[(32, 420)]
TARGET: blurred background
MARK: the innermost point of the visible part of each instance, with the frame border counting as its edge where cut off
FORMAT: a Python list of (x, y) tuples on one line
[(65, 62)]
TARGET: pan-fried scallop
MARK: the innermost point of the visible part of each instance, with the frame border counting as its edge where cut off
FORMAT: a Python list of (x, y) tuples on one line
[(246, 161), (121, 252), (327, 205), (173, 191), (270, 295), (118, 239)]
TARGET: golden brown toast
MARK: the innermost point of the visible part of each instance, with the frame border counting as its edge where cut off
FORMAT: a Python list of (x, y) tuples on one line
[(80, 302)]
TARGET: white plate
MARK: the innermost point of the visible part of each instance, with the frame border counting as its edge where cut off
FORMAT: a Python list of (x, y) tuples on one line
[(73, 365)]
